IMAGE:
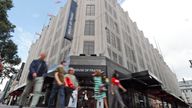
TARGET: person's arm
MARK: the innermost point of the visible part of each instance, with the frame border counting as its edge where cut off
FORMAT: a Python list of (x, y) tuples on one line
[(32, 69), (76, 81), (121, 87), (57, 78), (65, 81)]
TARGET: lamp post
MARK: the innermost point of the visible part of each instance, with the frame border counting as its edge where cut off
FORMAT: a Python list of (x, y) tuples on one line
[(1, 65), (190, 61)]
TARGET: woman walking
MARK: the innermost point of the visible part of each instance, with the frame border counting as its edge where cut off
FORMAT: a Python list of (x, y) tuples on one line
[(99, 90)]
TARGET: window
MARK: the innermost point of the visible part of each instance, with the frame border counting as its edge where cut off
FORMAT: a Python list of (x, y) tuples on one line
[(110, 9), (116, 27), (130, 40), (108, 35), (113, 40), (106, 7), (106, 18), (118, 44), (120, 60), (114, 14), (128, 28), (88, 47), (114, 56), (130, 66), (109, 52), (89, 27), (111, 22), (133, 56), (90, 10)]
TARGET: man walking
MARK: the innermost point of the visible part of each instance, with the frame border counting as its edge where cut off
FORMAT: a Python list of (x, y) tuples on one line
[(58, 87), (71, 85), (35, 78)]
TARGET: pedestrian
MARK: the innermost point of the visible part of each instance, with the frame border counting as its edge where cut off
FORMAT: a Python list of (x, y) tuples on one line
[(116, 97), (71, 84), (99, 89), (35, 78), (58, 87)]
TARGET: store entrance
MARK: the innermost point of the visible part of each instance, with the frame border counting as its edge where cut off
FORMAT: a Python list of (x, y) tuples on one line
[(86, 93)]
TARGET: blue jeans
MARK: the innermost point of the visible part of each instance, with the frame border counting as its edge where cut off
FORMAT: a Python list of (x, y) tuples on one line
[(60, 91)]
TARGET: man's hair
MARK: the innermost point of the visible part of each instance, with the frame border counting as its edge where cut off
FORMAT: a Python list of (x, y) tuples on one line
[(62, 62), (116, 75)]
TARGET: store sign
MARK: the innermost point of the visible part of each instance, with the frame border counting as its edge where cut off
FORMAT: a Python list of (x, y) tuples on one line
[(71, 21), (88, 68)]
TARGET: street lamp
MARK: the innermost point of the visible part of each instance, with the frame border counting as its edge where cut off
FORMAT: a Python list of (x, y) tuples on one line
[(190, 61)]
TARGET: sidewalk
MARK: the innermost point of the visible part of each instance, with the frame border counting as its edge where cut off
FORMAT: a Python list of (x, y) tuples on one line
[(6, 106)]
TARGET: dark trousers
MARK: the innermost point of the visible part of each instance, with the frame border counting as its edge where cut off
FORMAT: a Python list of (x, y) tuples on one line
[(68, 94), (60, 91)]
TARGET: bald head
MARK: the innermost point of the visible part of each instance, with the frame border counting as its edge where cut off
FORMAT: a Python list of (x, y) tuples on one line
[(42, 56)]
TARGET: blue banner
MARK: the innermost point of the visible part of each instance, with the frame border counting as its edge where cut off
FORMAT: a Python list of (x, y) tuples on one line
[(71, 21)]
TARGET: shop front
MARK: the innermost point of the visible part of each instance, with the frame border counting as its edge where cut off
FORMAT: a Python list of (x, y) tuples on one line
[(143, 88)]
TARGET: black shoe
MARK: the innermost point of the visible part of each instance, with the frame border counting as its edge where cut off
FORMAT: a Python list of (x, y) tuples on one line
[(20, 106)]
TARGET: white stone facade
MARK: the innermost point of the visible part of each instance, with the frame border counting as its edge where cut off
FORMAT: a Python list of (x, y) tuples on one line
[(115, 36), (186, 89)]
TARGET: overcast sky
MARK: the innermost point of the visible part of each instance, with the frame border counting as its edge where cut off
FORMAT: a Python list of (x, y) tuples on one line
[(169, 22)]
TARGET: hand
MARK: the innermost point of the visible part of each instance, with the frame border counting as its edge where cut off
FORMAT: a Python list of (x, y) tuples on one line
[(78, 88), (34, 75), (124, 90), (112, 93), (60, 83)]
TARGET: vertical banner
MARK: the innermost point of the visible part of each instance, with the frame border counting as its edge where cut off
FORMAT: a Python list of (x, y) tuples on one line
[(71, 21)]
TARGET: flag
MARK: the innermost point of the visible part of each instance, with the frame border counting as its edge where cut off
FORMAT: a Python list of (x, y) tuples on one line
[(50, 15), (37, 33), (57, 1)]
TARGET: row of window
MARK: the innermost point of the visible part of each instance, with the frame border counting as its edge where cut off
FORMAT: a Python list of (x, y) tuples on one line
[(110, 9), (130, 54), (114, 56), (89, 30), (131, 67), (127, 38), (186, 90), (112, 23), (113, 40), (141, 62), (125, 26)]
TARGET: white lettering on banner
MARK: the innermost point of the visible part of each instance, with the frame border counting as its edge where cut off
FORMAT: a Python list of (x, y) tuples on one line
[(86, 70), (69, 32)]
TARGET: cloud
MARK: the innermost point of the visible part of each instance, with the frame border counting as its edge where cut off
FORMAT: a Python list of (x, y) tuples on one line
[(24, 40), (171, 28)]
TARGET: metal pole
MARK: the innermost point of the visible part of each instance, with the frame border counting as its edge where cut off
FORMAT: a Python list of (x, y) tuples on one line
[(190, 61)]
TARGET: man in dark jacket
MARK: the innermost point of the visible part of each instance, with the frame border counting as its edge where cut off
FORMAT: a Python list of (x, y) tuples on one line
[(35, 78)]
